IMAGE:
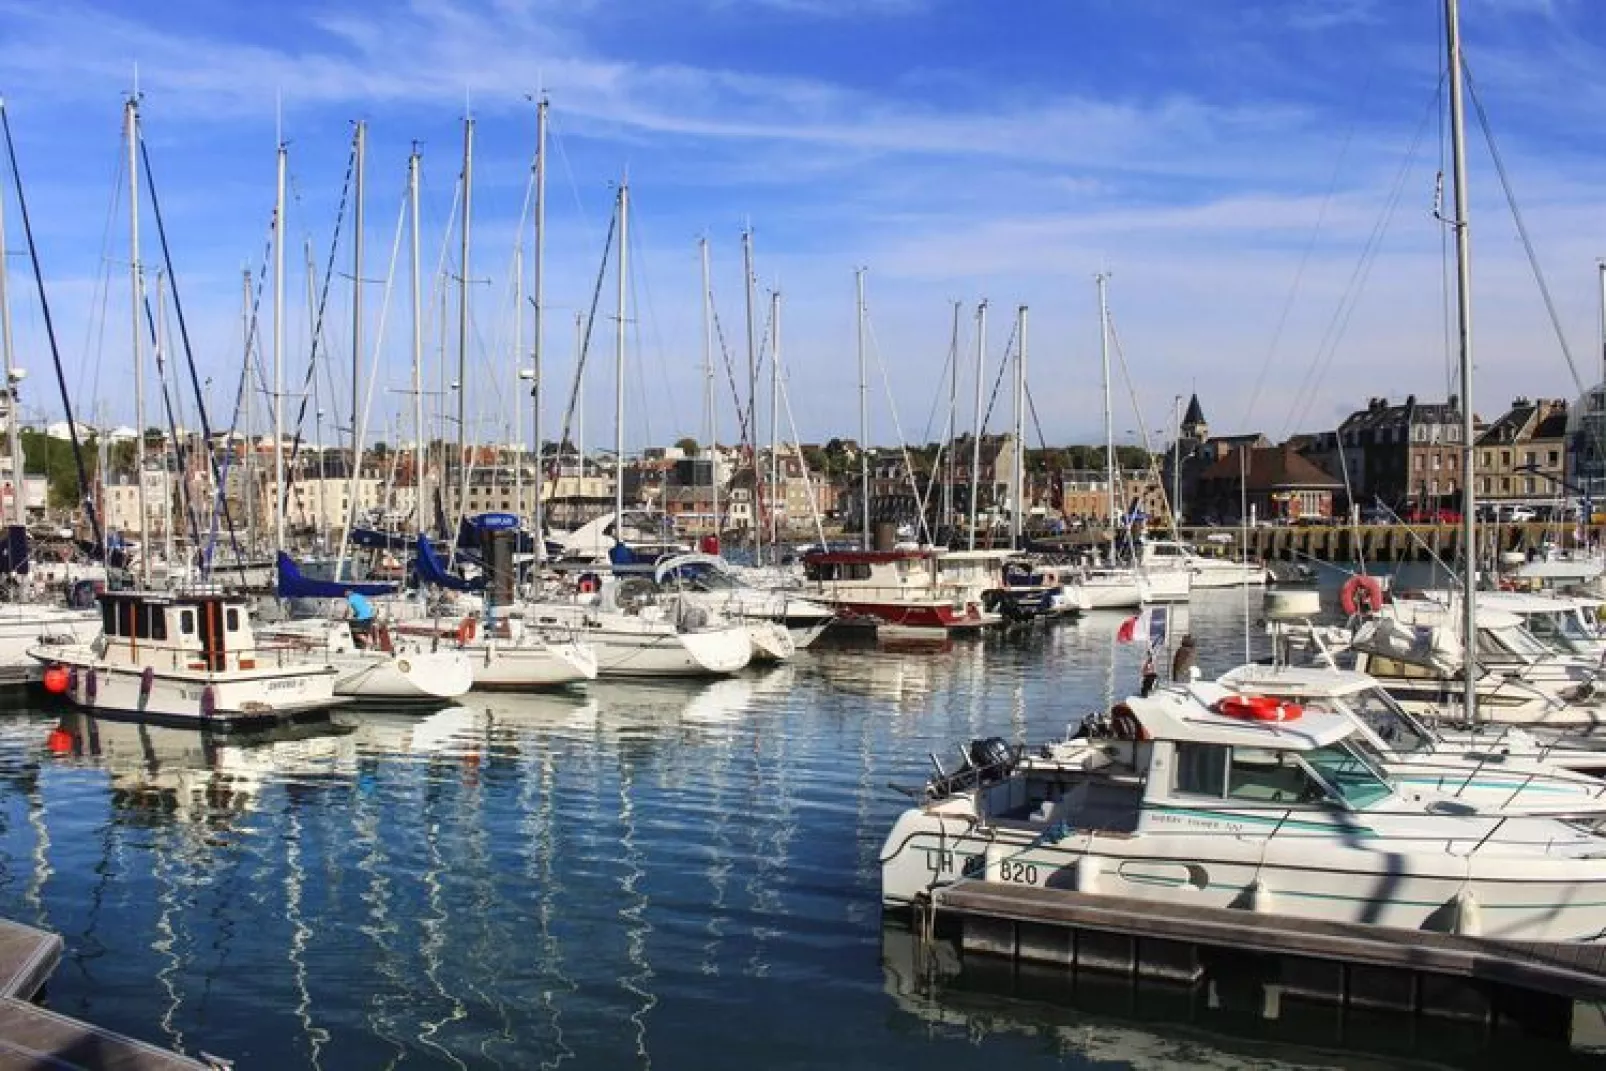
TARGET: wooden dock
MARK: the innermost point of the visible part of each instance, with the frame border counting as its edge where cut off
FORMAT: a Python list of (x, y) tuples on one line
[(32, 1037), (1353, 965)]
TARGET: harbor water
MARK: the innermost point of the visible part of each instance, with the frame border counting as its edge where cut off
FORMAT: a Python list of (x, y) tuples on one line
[(665, 876)]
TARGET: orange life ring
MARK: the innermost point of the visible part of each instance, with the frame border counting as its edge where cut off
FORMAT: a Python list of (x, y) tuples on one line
[(1361, 594), (465, 631), (588, 583), (1259, 708)]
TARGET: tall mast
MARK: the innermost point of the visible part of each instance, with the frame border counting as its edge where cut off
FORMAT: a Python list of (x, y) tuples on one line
[(619, 365), (19, 508), (864, 419), (712, 427), (278, 354), (1463, 309), (462, 319), (952, 427), (136, 303), (354, 477), (752, 395), (537, 514), (975, 440), (167, 473), (420, 462), (519, 376), (1109, 416), (1017, 470), (775, 402), (249, 461)]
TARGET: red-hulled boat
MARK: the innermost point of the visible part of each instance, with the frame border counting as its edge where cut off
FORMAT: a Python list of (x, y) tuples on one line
[(895, 591)]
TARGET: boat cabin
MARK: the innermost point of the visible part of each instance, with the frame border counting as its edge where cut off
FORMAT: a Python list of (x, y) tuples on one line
[(209, 631), (907, 571)]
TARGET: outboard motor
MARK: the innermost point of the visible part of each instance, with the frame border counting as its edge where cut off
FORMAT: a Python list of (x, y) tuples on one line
[(991, 758)]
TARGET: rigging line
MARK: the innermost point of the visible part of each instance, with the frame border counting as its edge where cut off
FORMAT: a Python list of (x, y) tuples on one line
[(317, 323), (580, 363), (1003, 367), (1310, 245), (640, 284), (1132, 395), (1522, 230), (178, 442), (1349, 299), (95, 329), (86, 494), (897, 426), (803, 464), (730, 372)]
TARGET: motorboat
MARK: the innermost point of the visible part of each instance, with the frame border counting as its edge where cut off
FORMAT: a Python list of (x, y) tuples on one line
[(383, 666), (705, 580), (1499, 768), (894, 591), (1112, 587), (1207, 571), (1413, 649), (1002, 582), (638, 631), (185, 657), (1567, 624), (1225, 806)]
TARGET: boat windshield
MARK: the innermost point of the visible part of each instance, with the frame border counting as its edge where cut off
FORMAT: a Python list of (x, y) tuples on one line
[(1398, 729), (1508, 640), (700, 577), (1347, 775), (1561, 627)]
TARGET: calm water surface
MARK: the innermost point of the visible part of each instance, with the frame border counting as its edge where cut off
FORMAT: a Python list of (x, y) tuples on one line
[(668, 876)]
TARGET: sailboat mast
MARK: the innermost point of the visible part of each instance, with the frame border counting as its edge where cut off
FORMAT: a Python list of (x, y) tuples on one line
[(538, 298), (952, 426), (1109, 416), (1463, 309), (752, 395), (864, 420), (462, 319), (167, 473), (708, 389), (19, 508), (975, 440), (1017, 470), (775, 421), (420, 462), (136, 303), (518, 377), (619, 365), (278, 354), (360, 152)]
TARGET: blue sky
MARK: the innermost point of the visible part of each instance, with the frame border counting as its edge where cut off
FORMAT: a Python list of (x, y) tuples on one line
[(1227, 162)]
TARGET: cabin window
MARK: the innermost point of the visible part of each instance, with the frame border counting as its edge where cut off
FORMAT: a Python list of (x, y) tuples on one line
[(232, 616), (1378, 666), (157, 617), (108, 619), (1202, 769), (1266, 776), (186, 622)]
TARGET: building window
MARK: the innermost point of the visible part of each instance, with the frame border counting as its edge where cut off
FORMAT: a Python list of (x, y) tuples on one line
[(1528, 485), (1555, 457)]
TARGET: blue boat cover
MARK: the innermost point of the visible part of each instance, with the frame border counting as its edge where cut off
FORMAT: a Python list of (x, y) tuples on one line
[(292, 585), (431, 571)]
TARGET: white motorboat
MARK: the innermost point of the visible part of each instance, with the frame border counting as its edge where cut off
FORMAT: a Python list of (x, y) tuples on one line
[(1494, 768), (23, 625), (1207, 570), (1173, 802), (1112, 588), (1564, 623), (1414, 650), (189, 658), (705, 580), (640, 632), (392, 668)]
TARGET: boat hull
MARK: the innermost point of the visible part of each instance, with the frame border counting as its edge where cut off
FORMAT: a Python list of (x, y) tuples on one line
[(241, 698), (526, 667), (403, 678)]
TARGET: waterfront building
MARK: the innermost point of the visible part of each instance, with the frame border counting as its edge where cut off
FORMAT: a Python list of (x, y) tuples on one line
[(1522, 455), (1276, 483)]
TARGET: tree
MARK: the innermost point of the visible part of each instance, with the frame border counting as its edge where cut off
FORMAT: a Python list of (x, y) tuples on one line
[(687, 446)]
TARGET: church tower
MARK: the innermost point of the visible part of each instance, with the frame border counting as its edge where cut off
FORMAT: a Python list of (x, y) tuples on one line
[(1194, 425)]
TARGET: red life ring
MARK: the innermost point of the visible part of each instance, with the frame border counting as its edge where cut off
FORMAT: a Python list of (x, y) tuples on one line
[(1361, 594), (588, 583), (465, 631), (1259, 708)]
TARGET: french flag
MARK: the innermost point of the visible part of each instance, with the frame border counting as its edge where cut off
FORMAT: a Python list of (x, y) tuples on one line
[(1149, 624)]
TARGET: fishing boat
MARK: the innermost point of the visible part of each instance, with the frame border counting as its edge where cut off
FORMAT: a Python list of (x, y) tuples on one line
[(188, 658), (1234, 806), (893, 591)]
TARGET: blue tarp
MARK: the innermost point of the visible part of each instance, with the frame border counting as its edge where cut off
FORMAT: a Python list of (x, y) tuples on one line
[(292, 585), (431, 571)]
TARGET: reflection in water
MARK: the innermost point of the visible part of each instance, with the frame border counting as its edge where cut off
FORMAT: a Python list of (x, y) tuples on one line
[(510, 881)]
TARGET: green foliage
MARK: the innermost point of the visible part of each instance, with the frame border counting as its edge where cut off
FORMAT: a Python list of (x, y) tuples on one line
[(687, 446), (52, 458)]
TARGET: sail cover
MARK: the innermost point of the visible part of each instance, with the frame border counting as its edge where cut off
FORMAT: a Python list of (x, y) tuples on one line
[(431, 571), (292, 585)]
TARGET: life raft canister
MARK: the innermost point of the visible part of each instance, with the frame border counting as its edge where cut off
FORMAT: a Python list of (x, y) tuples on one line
[(1361, 594), (1259, 708)]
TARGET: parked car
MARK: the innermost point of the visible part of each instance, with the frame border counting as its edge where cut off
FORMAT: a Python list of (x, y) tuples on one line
[(1519, 515)]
